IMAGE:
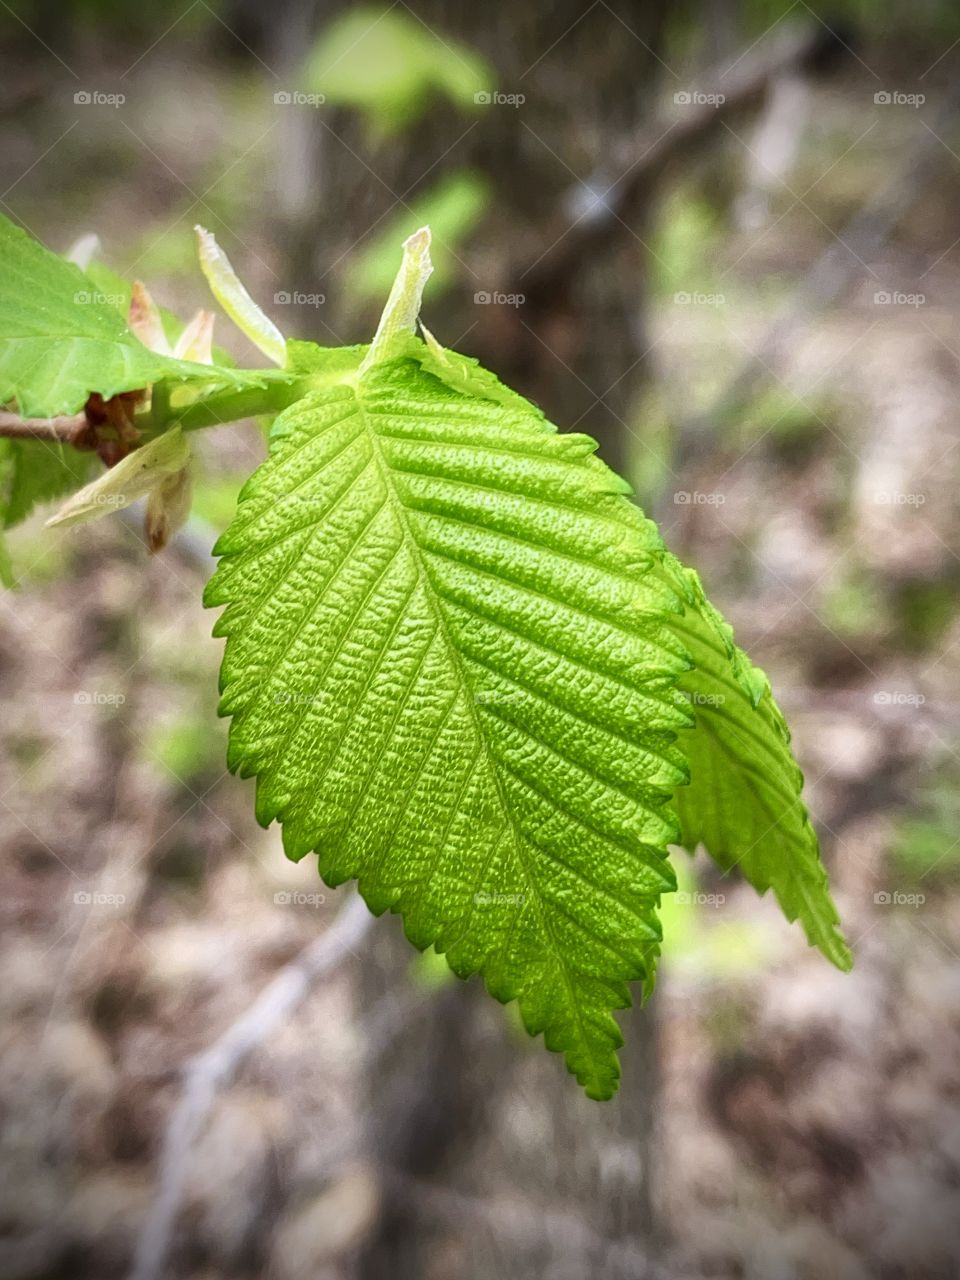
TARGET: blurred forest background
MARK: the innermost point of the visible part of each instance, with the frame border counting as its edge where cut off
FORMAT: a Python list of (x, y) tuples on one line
[(724, 239)]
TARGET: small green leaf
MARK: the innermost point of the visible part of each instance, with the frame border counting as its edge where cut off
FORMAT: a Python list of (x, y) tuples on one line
[(236, 302)]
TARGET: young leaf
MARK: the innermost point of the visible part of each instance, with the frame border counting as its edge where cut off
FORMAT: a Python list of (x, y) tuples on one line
[(744, 799), (458, 661), (452, 672), (62, 339), (133, 477), (240, 307)]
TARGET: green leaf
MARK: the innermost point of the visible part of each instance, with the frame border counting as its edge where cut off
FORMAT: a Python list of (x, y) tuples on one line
[(61, 338), (744, 800), (450, 665), (35, 471)]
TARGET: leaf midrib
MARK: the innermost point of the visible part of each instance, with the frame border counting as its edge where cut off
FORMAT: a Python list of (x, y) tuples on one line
[(600, 1076)]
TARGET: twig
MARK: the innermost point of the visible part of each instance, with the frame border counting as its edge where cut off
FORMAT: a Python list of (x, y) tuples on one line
[(670, 137), (66, 430), (207, 1073)]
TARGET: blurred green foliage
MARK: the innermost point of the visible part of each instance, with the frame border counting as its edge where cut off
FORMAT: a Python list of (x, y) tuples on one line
[(388, 65), (451, 208), (926, 841), (699, 935)]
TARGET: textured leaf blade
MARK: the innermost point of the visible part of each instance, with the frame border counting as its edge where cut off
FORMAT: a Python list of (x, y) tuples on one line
[(744, 801), (61, 338), (450, 669)]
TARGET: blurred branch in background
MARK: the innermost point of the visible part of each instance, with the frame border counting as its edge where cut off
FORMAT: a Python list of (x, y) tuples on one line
[(213, 1069)]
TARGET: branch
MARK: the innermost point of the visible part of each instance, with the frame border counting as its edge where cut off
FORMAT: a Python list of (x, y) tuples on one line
[(64, 430), (212, 1069), (670, 137)]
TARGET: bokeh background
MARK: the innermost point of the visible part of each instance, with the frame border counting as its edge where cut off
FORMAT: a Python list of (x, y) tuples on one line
[(724, 239)]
